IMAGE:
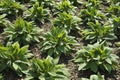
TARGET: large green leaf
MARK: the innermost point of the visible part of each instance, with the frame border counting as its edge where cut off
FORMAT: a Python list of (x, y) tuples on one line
[(82, 65)]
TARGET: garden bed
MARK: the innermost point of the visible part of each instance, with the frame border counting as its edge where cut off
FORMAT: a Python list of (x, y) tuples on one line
[(59, 40)]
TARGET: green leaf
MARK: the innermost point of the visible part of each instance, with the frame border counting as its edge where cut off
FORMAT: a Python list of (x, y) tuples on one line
[(28, 78), (56, 60), (94, 67), (81, 66), (52, 74), (1, 77), (108, 67), (84, 79), (36, 39), (78, 60), (42, 78), (108, 60), (94, 77), (15, 66), (24, 49), (29, 55), (3, 67)]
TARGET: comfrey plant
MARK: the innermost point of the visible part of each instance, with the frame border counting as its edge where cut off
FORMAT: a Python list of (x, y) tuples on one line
[(91, 14), (65, 6), (46, 3), (116, 26), (97, 57), (37, 13), (4, 22), (46, 69), (98, 33), (93, 3), (14, 58), (11, 8), (67, 21), (114, 9), (22, 31), (57, 42)]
